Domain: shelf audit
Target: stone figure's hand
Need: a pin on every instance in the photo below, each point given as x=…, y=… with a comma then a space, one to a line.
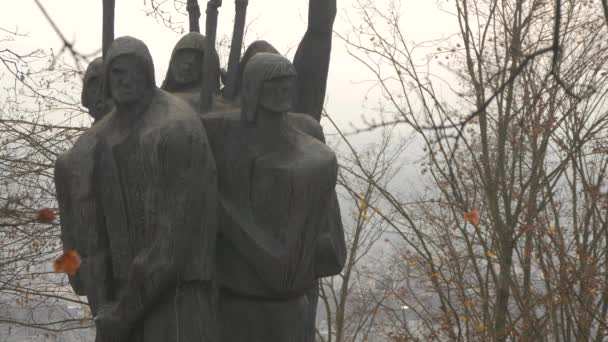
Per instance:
x=111, y=327
x=321, y=15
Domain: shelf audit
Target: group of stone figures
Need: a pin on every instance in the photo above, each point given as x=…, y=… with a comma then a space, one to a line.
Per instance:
x=203, y=226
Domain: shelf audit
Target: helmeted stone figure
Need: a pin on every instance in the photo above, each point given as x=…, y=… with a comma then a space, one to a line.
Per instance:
x=311, y=60
x=304, y=122
x=93, y=96
x=185, y=73
x=280, y=221
x=73, y=183
x=254, y=48
x=155, y=181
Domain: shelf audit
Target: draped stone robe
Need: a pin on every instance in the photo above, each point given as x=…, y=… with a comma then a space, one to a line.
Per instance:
x=280, y=228
x=158, y=196
x=78, y=209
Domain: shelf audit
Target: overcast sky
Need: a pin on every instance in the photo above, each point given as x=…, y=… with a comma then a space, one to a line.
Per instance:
x=280, y=22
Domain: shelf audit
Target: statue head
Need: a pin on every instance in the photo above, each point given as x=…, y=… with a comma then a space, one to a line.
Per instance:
x=93, y=96
x=259, y=46
x=129, y=71
x=186, y=64
x=268, y=83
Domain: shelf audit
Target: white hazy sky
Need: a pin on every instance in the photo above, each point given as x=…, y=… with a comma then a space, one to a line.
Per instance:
x=281, y=22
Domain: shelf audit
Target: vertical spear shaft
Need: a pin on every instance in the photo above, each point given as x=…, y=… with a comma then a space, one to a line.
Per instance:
x=211, y=32
x=194, y=14
x=108, y=25
x=235, y=48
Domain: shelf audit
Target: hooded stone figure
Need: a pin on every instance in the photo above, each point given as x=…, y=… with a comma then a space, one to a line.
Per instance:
x=280, y=221
x=311, y=60
x=304, y=122
x=155, y=182
x=254, y=48
x=93, y=96
x=185, y=73
x=73, y=184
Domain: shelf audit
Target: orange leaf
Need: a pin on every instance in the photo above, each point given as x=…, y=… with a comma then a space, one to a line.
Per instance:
x=46, y=215
x=68, y=263
x=472, y=217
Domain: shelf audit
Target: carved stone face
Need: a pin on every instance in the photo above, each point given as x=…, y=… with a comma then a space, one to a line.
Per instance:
x=187, y=66
x=93, y=92
x=277, y=94
x=95, y=97
x=128, y=80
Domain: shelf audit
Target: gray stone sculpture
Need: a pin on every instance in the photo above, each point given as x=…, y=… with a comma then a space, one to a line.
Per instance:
x=73, y=172
x=93, y=95
x=155, y=181
x=280, y=221
x=160, y=230
x=185, y=73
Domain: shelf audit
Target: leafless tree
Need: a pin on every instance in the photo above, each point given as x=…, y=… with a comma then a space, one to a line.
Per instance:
x=40, y=116
x=350, y=302
x=507, y=240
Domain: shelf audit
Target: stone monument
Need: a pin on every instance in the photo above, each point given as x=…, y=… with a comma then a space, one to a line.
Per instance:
x=205, y=226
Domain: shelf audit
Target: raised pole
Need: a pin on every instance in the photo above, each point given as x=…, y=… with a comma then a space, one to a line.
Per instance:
x=108, y=25
x=235, y=48
x=208, y=65
x=194, y=14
